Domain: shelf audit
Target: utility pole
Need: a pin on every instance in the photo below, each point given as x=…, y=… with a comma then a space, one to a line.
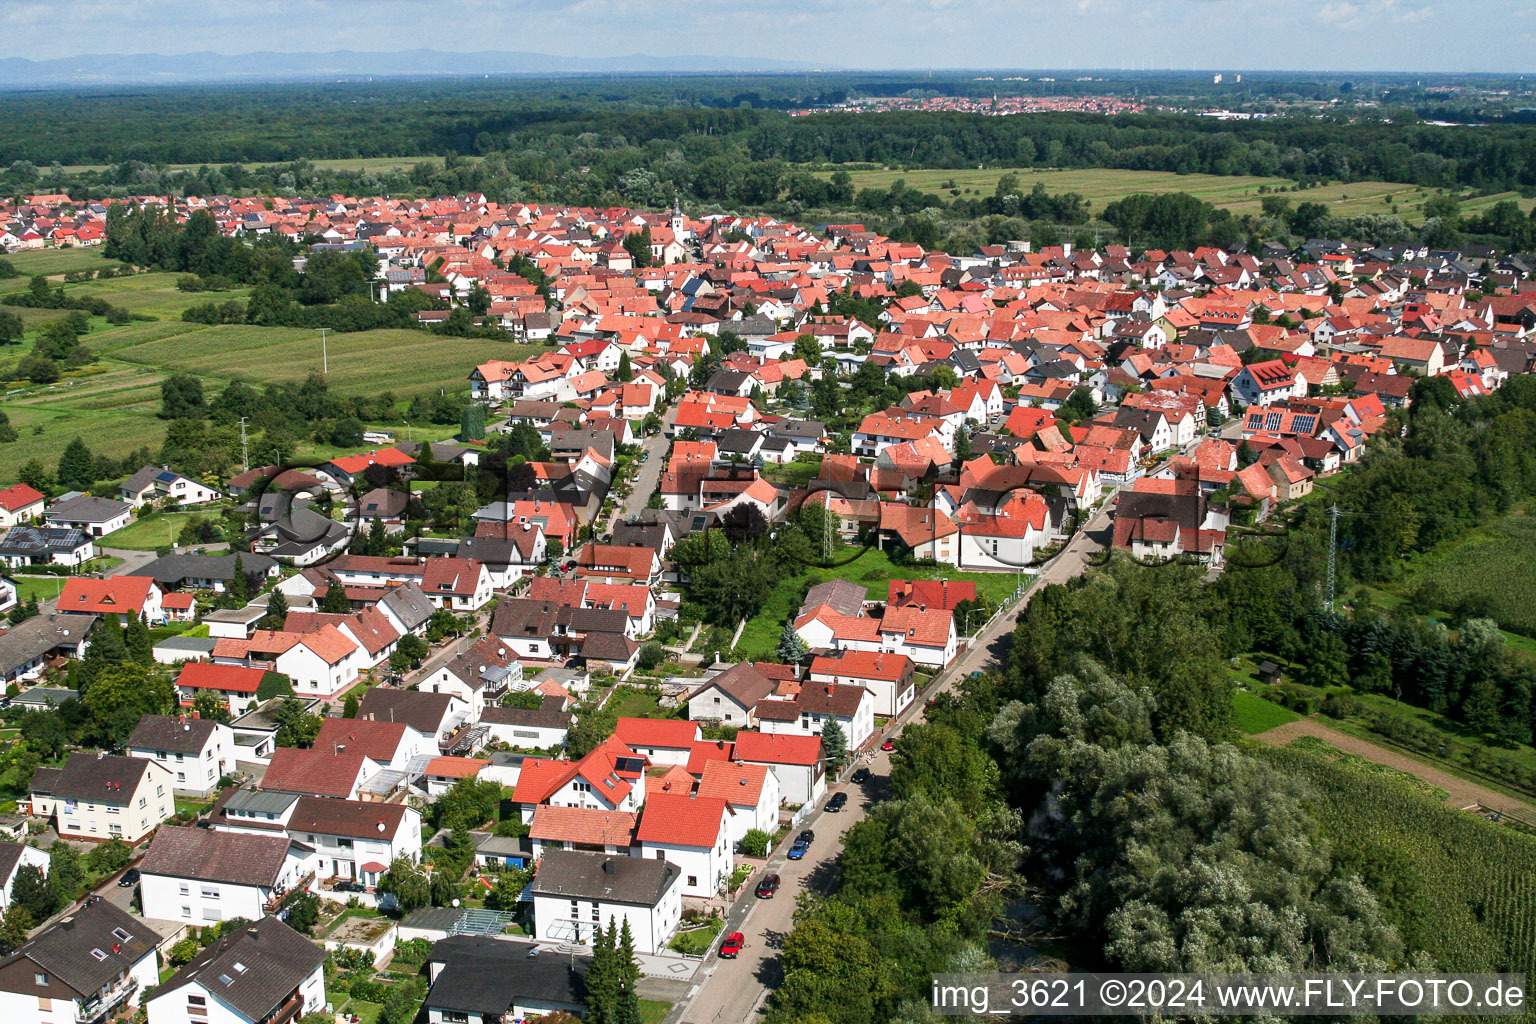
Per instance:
x=325, y=359
x=1333, y=547
x=245, y=448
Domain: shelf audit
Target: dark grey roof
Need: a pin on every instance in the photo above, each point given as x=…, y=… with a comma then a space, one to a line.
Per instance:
x=742, y=683
x=600, y=876
x=175, y=569
x=10, y=853
x=254, y=970
x=533, y=718
x=410, y=604
x=67, y=950
x=485, y=975
x=423, y=712
x=140, y=481
x=40, y=634
x=102, y=778
x=611, y=647
x=211, y=855
x=843, y=597
x=179, y=735
x=37, y=541
x=87, y=510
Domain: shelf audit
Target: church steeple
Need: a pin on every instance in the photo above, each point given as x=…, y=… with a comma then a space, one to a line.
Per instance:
x=679, y=223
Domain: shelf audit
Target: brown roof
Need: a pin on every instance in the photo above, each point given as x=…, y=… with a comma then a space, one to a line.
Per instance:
x=375, y=739
x=211, y=855
x=742, y=683
x=319, y=772
x=352, y=818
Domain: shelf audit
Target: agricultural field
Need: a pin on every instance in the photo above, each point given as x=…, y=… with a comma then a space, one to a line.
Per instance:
x=1492, y=569
x=1238, y=193
x=114, y=404
x=55, y=261
x=1459, y=887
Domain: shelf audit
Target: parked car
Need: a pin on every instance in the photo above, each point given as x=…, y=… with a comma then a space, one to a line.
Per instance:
x=888, y=745
x=731, y=945
x=130, y=878
x=835, y=804
x=767, y=887
x=345, y=886
x=799, y=850
x=861, y=775
x=807, y=836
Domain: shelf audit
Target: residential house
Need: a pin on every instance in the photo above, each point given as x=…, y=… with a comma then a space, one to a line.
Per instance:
x=815, y=706
x=83, y=969
x=690, y=832
x=14, y=857
x=541, y=728
x=889, y=678
x=730, y=697
x=124, y=597
x=659, y=740
x=95, y=517
x=265, y=973
x=236, y=685
x=52, y=637
x=574, y=892
x=154, y=484
x=102, y=796
x=20, y=504
x=477, y=978
x=751, y=791
x=351, y=839
x=203, y=875
x=198, y=752
x=795, y=759
x=45, y=545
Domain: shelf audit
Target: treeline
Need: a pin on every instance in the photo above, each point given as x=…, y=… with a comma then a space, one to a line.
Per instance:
x=539, y=134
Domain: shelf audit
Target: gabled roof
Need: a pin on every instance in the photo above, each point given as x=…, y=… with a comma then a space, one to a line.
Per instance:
x=379, y=740
x=214, y=855
x=182, y=735
x=778, y=748
x=317, y=772
x=736, y=784
x=583, y=825
x=253, y=969
x=673, y=819
x=206, y=675
x=67, y=950
x=657, y=732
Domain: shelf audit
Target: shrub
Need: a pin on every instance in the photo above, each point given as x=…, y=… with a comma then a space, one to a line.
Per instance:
x=755, y=843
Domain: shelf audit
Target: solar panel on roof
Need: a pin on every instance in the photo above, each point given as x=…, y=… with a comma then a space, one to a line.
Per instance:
x=629, y=764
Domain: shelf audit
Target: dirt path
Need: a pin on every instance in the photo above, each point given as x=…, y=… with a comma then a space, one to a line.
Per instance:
x=1460, y=793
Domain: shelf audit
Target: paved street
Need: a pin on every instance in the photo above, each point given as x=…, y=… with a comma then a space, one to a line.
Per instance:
x=735, y=990
x=649, y=473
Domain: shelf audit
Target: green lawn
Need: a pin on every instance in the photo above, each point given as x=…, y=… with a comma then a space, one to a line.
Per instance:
x=633, y=702
x=873, y=570
x=368, y=1013
x=149, y=534
x=1253, y=714
x=698, y=940
x=44, y=588
x=652, y=1011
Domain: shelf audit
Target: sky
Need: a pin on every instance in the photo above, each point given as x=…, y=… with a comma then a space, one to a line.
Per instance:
x=1357, y=35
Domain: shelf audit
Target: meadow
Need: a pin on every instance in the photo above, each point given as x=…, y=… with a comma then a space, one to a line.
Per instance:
x=1238, y=193
x=114, y=404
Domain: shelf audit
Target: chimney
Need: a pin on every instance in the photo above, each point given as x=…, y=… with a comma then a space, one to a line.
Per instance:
x=610, y=866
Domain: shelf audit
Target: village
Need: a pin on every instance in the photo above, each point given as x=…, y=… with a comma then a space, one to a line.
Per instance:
x=763, y=492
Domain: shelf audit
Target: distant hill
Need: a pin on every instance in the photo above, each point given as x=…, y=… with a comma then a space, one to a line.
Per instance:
x=154, y=68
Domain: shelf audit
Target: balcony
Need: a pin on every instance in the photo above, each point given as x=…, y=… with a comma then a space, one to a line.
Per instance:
x=287, y=1010
x=106, y=1002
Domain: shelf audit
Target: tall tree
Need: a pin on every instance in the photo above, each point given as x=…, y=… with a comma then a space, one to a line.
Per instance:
x=77, y=470
x=240, y=586
x=625, y=372
x=137, y=640
x=277, y=611
x=626, y=968
x=335, y=601
x=181, y=397
x=791, y=648
x=834, y=743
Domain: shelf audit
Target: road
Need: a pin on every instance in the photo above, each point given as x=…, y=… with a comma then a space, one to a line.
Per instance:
x=649, y=473
x=736, y=990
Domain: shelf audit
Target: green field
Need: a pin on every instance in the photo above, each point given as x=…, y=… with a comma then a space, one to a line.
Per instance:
x=1493, y=565
x=1252, y=714
x=113, y=405
x=873, y=570
x=1238, y=193
x=367, y=362
x=56, y=261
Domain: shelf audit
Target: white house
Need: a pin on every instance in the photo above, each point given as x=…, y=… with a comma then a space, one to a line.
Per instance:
x=103, y=796
x=198, y=752
x=20, y=503
x=574, y=892
x=203, y=875
x=351, y=839
x=263, y=972
x=154, y=484
x=751, y=791
x=794, y=759
x=662, y=740
x=731, y=696
x=538, y=728
x=851, y=707
x=690, y=832
x=95, y=517
x=84, y=968
x=890, y=678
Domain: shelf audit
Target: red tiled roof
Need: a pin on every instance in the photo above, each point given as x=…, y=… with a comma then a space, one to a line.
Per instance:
x=114, y=595
x=456, y=767
x=777, y=748
x=583, y=825
x=734, y=783
x=378, y=740
x=677, y=820
x=19, y=496
x=205, y=675
x=657, y=732
x=317, y=772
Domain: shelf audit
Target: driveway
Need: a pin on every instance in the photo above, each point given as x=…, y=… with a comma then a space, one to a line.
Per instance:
x=649, y=474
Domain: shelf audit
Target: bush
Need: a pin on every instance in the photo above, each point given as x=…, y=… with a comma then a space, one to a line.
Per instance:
x=755, y=843
x=697, y=941
x=111, y=856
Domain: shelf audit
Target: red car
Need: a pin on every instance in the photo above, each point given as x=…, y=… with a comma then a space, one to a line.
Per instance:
x=731, y=946
x=888, y=745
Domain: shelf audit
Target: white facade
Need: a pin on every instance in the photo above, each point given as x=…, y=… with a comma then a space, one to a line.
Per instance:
x=857, y=727
x=198, y=903
x=29, y=856
x=199, y=773
x=197, y=1003
x=562, y=919
x=705, y=869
